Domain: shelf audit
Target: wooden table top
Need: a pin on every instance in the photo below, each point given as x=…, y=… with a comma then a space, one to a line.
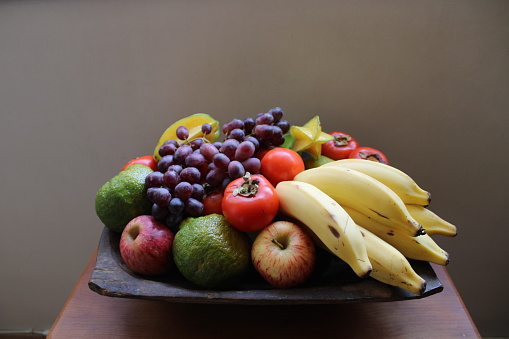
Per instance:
x=87, y=314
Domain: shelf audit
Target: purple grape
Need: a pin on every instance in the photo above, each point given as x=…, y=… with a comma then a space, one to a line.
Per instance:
x=249, y=124
x=284, y=125
x=221, y=161
x=255, y=141
x=176, y=168
x=206, y=129
x=183, y=190
x=245, y=151
x=159, y=212
x=276, y=132
x=165, y=162
x=229, y=147
x=174, y=220
x=161, y=196
x=263, y=131
x=190, y=174
x=236, y=170
x=215, y=177
x=182, y=133
x=212, y=166
x=193, y=207
x=196, y=144
x=195, y=160
x=277, y=141
x=208, y=151
x=171, y=179
x=218, y=144
x=236, y=123
x=264, y=119
x=150, y=193
x=277, y=113
x=225, y=128
x=226, y=182
x=154, y=179
x=167, y=149
x=198, y=192
x=237, y=134
x=277, y=138
x=182, y=153
x=172, y=142
x=252, y=165
x=176, y=206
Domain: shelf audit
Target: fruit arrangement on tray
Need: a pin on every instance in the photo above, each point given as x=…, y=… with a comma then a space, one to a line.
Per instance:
x=213, y=202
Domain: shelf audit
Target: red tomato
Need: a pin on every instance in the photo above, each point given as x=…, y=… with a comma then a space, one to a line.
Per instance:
x=250, y=204
x=146, y=160
x=369, y=153
x=212, y=203
x=339, y=148
x=281, y=164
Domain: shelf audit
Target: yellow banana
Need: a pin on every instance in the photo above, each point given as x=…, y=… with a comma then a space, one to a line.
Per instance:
x=418, y=248
x=432, y=223
x=400, y=182
x=327, y=221
x=390, y=266
x=361, y=192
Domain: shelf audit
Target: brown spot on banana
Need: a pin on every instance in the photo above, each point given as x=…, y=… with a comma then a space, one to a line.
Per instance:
x=383, y=216
x=334, y=231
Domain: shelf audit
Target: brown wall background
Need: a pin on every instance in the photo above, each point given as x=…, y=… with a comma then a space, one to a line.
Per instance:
x=87, y=85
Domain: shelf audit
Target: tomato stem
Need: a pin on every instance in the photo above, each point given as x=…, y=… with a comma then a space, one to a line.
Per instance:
x=248, y=188
x=372, y=157
x=342, y=140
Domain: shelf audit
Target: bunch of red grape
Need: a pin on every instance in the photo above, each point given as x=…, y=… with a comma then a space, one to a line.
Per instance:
x=190, y=169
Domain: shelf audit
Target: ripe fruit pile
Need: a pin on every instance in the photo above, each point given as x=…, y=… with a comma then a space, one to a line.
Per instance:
x=189, y=169
x=289, y=188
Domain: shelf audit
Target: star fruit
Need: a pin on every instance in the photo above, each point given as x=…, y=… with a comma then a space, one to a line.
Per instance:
x=309, y=138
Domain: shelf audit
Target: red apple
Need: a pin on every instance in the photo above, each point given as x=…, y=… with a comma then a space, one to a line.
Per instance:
x=146, y=246
x=284, y=255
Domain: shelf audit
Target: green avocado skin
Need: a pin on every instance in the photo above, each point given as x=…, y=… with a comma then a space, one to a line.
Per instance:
x=211, y=253
x=123, y=198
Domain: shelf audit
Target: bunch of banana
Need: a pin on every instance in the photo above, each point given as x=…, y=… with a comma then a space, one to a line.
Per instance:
x=341, y=199
x=415, y=198
x=398, y=181
x=422, y=247
x=364, y=193
x=328, y=223
x=390, y=266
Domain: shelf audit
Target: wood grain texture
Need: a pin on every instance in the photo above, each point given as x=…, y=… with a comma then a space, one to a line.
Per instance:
x=87, y=314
